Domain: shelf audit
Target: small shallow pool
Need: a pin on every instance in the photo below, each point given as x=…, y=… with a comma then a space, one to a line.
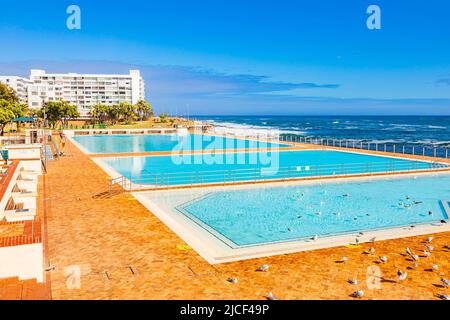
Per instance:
x=262, y=215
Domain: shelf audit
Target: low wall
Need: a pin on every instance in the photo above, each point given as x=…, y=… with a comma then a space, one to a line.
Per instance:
x=24, y=152
x=25, y=262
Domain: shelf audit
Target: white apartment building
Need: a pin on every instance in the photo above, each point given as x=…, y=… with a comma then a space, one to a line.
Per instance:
x=83, y=90
x=19, y=84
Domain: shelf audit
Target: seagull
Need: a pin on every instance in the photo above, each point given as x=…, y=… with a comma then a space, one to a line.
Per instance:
x=415, y=257
x=429, y=247
x=270, y=296
x=383, y=259
x=445, y=282
x=408, y=251
x=435, y=267
x=413, y=266
x=357, y=294
x=373, y=239
x=344, y=259
x=353, y=282
x=401, y=276
x=315, y=238
x=264, y=268
x=232, y=280
x=346, y=195
x=443, y=297
x=430, y=213
x=372, y=250
x=290, y=230
x=418, y=202
x=357, y=241
x=426, y=253
x=429, y=239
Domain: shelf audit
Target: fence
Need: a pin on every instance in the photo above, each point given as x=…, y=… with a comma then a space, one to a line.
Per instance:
x=149, y=180
x=403, y=148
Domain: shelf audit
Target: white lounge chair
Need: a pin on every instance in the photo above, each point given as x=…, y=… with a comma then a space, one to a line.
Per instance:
x=20, y=209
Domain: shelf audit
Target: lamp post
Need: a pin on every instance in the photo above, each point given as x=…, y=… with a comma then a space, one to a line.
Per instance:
x=45, y=134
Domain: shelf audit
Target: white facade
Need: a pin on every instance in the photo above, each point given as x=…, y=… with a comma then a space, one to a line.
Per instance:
x=20, y=85
x=83, y=90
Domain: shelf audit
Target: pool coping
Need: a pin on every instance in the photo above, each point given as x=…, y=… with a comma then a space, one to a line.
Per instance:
x=214, y=251
x=288, y=146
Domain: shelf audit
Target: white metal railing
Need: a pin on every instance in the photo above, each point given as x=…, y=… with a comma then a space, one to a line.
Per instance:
x=402, y=148
x=191, y=178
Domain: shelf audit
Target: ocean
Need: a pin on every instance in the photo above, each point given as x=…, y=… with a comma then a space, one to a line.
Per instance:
x=417, y=130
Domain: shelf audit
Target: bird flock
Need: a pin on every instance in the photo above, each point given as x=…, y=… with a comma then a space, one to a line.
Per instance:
x=401, y=275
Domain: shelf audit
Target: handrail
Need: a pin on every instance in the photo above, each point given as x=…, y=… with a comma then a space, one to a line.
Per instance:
x=363, y=144
x=264, y=173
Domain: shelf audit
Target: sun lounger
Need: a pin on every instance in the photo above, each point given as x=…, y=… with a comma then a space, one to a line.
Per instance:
x=20, y=209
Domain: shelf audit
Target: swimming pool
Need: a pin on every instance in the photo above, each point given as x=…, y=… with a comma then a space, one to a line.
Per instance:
x=233, y=223
x=190, y=169
x=135, y=143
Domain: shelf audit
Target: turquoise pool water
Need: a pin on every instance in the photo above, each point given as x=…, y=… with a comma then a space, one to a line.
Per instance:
x=194, y=169
x=272, y=214
x=128, y=143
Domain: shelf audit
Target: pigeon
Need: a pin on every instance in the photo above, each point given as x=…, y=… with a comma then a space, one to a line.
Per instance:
x=383, y=259
x=232, y=280
x=408, y=251
x=445, y=282
x=270, y=296
x=357, y=294
x=264, y=268
x=402, y=275
x=353, y=282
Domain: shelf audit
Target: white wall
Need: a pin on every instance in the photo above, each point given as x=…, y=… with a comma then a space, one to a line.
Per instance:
x=25, y=262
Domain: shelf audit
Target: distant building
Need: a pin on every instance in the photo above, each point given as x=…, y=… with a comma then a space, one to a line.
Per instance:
x=20, y=85
x=82, y=90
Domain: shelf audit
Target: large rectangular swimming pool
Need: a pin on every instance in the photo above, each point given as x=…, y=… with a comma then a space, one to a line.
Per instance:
x=261, y=215
x=238, y=167
x=135, y=143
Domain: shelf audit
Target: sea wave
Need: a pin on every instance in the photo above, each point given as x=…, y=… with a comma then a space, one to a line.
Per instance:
x=251, y=130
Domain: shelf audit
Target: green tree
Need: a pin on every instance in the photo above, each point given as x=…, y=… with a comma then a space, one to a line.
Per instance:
x=68, y=111
x=143, y=110
x=100, y=112
x=58, y=111
x=7, y=93
x=163, y=117
x=126, y=111
x=9, y=111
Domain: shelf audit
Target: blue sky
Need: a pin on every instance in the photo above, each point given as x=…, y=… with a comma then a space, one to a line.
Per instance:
x=247, y=57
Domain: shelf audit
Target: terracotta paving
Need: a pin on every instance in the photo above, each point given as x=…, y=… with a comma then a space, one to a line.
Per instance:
x=112, y=248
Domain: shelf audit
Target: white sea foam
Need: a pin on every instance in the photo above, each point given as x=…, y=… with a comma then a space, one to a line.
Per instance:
x=250, y=130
